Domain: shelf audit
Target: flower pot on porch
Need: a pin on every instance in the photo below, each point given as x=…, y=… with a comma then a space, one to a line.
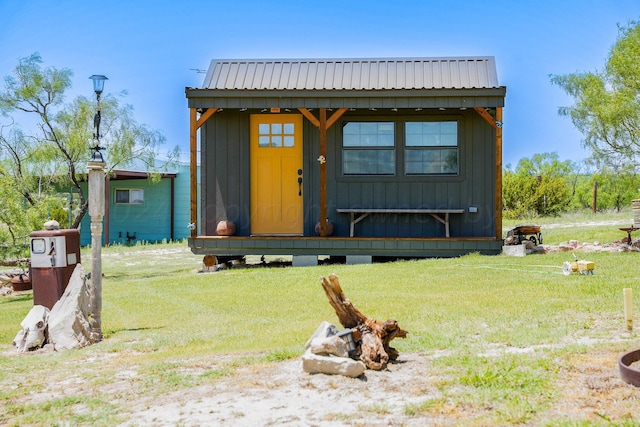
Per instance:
x=328, y=228
x=226, y=228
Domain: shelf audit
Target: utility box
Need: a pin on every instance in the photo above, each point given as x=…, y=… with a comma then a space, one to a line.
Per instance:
x=54, y=256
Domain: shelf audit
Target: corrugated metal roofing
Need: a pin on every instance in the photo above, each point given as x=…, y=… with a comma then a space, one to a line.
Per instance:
x=352, y=74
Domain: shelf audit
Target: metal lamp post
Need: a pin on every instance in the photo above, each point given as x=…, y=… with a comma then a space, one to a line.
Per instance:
x=96, y=171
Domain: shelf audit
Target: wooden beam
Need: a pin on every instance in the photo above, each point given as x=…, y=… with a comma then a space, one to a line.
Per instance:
x=310, y=117
x=205, y=116
x=323, y=172
x=335, y=116
x=193, y=147
x=488, y=118
x=499, y=174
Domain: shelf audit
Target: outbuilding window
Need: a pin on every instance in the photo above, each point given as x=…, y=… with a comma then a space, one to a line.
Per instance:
x=368, y=148
x=431, y=148
x=129, y=196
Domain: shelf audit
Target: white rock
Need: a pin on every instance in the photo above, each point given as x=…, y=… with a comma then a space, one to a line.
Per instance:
x=333, y=345
x=69, y=318
x=332, y=365
x=52, y=225
x=325, y=329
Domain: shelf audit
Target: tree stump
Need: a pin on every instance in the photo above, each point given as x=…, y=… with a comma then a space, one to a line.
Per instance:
x=371, y=337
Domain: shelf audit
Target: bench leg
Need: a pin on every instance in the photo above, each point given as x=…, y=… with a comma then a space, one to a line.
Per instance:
x=352, y=226
x=444, y=221
x=354, y=221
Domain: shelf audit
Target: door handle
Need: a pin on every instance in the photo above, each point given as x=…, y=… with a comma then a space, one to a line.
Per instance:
x=300, y=186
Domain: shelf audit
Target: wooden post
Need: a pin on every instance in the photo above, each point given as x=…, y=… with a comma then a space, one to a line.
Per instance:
x=499, y=174
x=594, y=204
x=323, y=124
x=195, y=123
x=323, y=172
x=193, y=170
x=628, y=308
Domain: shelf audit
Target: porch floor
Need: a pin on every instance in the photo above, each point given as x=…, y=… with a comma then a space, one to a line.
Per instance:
x=343, y=246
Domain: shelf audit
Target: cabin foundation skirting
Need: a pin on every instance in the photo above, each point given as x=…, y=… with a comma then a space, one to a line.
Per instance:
x=343, y=246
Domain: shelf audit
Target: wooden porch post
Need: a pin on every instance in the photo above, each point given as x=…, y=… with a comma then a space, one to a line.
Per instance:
x=323, y=172
x=195, y=123
x=323, y=124
x=193, y=170
x=499, y=173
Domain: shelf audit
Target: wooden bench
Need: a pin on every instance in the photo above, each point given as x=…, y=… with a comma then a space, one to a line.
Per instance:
x=358, y=215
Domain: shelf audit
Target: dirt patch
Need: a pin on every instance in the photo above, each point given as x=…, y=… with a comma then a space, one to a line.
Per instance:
x=281, y=394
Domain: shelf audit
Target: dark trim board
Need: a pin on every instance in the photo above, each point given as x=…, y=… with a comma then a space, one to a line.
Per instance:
x=342, y=246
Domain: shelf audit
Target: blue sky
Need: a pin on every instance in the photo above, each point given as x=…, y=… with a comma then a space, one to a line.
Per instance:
x=152, y=50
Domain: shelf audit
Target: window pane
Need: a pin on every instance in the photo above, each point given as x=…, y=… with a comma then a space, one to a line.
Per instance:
x=369, y=162
x=122, y=196
x=288, y=141
x=276, y=141
x=431, y=134
x=351, y=129
x=137, y=196
x=413, y=128
x=368, y=134
x=263, y=129
x=276, y=128
x=350, y=140
x=431, y=161
x=288, y=128
x=449, y=127
x=263, y=141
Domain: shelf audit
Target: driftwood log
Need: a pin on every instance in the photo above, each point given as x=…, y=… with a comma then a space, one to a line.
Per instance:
x=370, y=336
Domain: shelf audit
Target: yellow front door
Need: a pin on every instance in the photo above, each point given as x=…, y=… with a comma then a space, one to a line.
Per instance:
x=276, y=174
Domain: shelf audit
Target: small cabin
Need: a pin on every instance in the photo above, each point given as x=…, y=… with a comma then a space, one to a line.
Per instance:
x=355, y=158
x=138, y=210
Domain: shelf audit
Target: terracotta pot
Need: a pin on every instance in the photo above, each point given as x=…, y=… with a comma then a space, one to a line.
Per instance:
x=21, y=283
x=226, y=228
x=328, y=228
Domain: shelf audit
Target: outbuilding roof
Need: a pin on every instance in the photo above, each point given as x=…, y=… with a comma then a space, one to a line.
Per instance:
x=352, y=74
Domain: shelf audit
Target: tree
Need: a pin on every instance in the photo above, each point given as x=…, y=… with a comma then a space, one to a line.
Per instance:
x=35, y=165
x=538, y=186
x=607, y=103
x=615, y=187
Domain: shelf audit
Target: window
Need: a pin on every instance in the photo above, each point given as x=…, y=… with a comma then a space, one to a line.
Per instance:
x=275, y=135
x=431, y=148
x=368, y=148
x=130, y=196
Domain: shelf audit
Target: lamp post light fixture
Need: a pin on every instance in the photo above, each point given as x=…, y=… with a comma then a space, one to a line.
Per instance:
x=98, y=87
x=96, y=171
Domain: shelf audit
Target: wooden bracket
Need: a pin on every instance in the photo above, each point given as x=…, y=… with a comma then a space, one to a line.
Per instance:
x=330, y=121
x=205, y=116
x=488, y=117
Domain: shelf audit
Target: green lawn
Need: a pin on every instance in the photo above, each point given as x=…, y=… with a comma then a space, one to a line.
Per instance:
x=159, y=313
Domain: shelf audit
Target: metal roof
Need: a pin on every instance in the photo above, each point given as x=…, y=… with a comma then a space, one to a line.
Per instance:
x=352, y=74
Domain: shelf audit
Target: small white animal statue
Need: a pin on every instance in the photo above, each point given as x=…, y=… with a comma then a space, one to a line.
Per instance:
x=33, y=330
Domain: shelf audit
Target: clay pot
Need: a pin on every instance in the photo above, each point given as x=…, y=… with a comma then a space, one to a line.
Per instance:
x=226, y=228
x=328, y=228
